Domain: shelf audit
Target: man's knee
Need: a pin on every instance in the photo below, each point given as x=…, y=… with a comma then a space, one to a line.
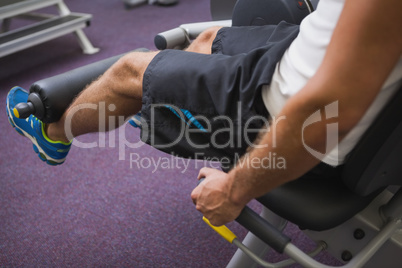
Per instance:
x=203, y=42
x=129, y=70
x=136, y=62
x=209, y=34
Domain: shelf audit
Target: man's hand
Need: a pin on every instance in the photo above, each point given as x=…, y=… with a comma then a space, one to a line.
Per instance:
x=212, y=197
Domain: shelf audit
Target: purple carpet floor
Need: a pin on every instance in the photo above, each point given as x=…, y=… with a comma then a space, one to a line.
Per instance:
x=104, y=207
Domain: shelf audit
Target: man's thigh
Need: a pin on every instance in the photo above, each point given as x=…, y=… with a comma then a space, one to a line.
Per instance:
x=197, y=103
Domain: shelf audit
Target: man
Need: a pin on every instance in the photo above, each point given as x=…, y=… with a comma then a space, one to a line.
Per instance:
x=347, y=56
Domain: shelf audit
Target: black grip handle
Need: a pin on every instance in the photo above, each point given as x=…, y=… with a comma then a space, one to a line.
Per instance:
x=160, y=42
x=24, y=109
x=261, y=228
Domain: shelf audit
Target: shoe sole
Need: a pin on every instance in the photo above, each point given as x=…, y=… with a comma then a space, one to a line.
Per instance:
x=39, y=151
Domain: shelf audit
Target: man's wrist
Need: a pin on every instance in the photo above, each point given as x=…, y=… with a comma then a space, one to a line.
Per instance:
x=238, y=193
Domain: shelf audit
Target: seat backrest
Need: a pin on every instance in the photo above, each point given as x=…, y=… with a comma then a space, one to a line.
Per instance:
x=222, y=9
x=264, y=12
x=261, y=12
x=376, y=161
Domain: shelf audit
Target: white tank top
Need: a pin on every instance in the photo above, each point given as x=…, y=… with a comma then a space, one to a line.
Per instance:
x=301, y=61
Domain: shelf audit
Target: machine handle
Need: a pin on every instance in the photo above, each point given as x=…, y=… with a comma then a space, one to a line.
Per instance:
x=179, y=38
x=34, y=106
x=263, y=229
x=171, y=39
x=256, y=225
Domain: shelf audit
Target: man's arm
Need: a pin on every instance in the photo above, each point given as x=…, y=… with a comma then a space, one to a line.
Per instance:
x=366, y=44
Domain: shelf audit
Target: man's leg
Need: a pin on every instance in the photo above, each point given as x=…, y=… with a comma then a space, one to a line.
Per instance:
x=118, y=92
x=120, y=89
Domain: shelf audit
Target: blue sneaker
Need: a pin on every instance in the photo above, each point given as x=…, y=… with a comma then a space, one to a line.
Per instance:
x=135, y=121
x=52, y=152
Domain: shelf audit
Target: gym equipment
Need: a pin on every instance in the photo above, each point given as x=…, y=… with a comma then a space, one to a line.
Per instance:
x=249, y=12
x=356, y=217
x=48, y=26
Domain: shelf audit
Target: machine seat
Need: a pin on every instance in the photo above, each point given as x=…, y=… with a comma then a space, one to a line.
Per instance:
x=315, y=204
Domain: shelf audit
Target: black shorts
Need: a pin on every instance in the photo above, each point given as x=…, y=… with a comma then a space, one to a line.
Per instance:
x=203, y=106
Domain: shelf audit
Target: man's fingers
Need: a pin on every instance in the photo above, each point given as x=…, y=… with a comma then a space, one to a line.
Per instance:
x=194, y=194
x=204, y=172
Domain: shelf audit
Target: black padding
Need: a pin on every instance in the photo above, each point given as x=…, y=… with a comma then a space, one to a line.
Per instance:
x=222, y=9
x=265, y=12
x=376, y=160
x=314, y=203
x=57, y=92
x=263, y=229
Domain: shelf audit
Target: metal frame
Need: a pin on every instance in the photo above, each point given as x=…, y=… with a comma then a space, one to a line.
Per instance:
x=253, y=244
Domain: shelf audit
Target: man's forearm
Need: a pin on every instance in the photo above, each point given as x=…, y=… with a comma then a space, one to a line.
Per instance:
x=252, y=178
